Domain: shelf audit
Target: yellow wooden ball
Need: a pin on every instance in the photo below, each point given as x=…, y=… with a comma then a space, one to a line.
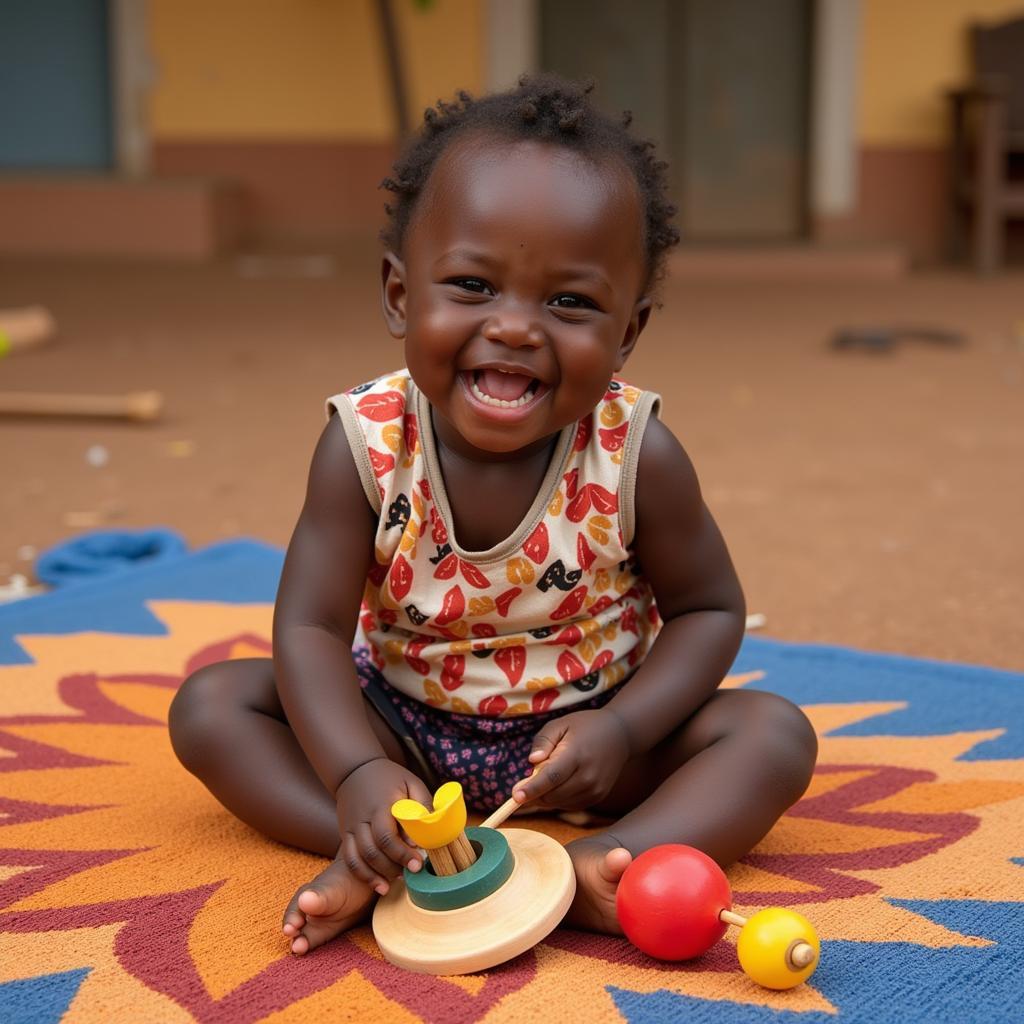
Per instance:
x=766, y=944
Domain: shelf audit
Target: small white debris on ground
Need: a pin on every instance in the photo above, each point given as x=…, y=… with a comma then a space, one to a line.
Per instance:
x=97, y=455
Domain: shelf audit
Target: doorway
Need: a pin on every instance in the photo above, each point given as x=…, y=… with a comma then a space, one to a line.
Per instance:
x=723, y=86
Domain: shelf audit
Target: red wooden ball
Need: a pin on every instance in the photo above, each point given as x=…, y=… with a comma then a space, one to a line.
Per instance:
x=669, y=899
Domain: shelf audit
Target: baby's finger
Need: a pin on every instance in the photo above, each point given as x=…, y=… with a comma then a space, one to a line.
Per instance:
x=360, y=869
x=551, y=774
x=373, y=856
x=545, y=742
x=418, y=791
x=390, y=841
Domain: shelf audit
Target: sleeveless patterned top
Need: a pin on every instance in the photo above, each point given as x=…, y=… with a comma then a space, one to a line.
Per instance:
x=545, y=619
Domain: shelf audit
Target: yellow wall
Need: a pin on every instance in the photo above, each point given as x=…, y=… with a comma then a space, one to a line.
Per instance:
x=310, y=69
x=911, y=51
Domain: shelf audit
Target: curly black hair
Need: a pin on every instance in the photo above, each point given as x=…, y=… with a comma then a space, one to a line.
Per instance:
x=543, y=107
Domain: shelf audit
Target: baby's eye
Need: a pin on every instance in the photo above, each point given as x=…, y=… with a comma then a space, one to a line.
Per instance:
x=471, y=284
x=570, y=300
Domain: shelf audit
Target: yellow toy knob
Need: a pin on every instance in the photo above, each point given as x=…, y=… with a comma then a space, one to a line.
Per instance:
x=778, y=948
x=436, y=828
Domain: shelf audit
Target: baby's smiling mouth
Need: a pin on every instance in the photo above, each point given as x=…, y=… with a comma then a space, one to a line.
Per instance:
x=503, y=389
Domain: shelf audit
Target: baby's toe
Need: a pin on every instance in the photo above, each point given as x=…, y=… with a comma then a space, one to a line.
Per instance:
x=329, y=904
x=614, y=864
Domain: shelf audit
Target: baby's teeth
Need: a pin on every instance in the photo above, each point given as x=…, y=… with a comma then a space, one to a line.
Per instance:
x=500, y=402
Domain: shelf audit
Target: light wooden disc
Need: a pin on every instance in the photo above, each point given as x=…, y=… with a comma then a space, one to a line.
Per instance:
x=508, y=922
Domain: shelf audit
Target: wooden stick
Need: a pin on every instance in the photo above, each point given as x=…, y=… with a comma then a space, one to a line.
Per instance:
x=441, y=860
x=509, y=807
x=730, y=918
x=799, y=955
x=136, y=405
x=22, y=329
x=453, y=857
x=462, y=852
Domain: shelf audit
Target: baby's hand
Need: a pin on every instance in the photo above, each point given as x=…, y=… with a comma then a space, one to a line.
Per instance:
x=372, y=847
x=582, y=754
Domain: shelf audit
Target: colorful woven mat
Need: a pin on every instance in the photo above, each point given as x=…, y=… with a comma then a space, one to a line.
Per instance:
x=128, y=894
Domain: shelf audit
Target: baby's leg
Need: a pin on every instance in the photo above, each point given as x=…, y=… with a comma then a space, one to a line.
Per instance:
x=228, y=728
x=719, y=783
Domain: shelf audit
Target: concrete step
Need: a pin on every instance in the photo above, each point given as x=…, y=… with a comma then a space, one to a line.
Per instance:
x=99, y=215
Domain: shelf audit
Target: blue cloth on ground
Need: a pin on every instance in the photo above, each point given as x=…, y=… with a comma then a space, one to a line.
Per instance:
x=107, y=553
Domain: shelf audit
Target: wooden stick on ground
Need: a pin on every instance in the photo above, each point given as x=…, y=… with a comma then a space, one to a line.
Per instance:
x=141, y=406
x=22, y=329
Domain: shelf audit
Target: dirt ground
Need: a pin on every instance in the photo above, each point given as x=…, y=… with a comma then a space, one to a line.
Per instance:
x=872, y=500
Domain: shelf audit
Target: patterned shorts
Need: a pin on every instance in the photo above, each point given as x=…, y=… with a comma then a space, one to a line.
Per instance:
x=487, y=755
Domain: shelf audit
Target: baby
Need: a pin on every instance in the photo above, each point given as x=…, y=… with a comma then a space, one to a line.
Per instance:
x=503, y=565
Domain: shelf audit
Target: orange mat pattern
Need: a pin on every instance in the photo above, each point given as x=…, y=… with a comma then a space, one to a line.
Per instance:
x=128, y=894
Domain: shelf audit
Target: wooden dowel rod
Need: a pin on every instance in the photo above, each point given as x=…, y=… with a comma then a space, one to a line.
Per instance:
x=509, y=807
x=799, y=955
x=136, y=405
x=22, y=329
x=441, y=861
x=730, y=918
x=462, y=852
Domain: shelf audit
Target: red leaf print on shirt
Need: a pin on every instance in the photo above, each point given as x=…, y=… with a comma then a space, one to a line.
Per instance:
x=446, y=567
x=438, y=530
x=543, y=699
x=627, y=621
x=474, y=577
x=584, y=553
x=570, y=636
x=583, y=432
x=600, y=604
x=382, y=462
x=604, y=658
x=425, y=488
x=483, y=629
x=504, y=601
x=571, y=605
x=452, y=607
x=382, y=407
x=612, y=440
x=492, y=706
x=536, y=545
x=411, y=432
x=591, y=494
x=451, y=674
x=511, y=661
x=572, y=480
x=400, y=577
x=570, y=667
x=412, y=656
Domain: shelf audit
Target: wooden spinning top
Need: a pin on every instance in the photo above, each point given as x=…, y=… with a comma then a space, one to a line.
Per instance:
x=484, y=896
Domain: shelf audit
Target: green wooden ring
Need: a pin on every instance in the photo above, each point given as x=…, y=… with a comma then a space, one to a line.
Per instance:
x=490, y=871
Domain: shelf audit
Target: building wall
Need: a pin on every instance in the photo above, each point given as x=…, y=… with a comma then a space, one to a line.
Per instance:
x=911, y=52
x=291, y=98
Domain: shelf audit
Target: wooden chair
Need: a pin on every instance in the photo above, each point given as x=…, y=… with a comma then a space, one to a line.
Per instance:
x=987, y=140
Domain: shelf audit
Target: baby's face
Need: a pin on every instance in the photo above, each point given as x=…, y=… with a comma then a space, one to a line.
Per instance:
x=519, y=292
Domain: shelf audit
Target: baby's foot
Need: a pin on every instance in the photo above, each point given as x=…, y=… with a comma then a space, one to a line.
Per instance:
x=333, y=902
x=598, y=870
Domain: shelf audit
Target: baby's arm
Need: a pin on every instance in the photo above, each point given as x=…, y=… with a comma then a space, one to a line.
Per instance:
x=315, y=617
x=683, y=556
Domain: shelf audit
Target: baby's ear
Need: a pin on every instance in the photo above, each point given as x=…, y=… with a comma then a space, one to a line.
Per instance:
x=393, y=294
x=637, y=322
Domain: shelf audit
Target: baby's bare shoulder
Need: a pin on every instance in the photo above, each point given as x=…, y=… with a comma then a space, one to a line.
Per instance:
x=665, y=475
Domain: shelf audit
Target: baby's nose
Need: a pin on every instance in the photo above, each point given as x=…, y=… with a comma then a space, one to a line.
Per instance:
x=516, y=328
